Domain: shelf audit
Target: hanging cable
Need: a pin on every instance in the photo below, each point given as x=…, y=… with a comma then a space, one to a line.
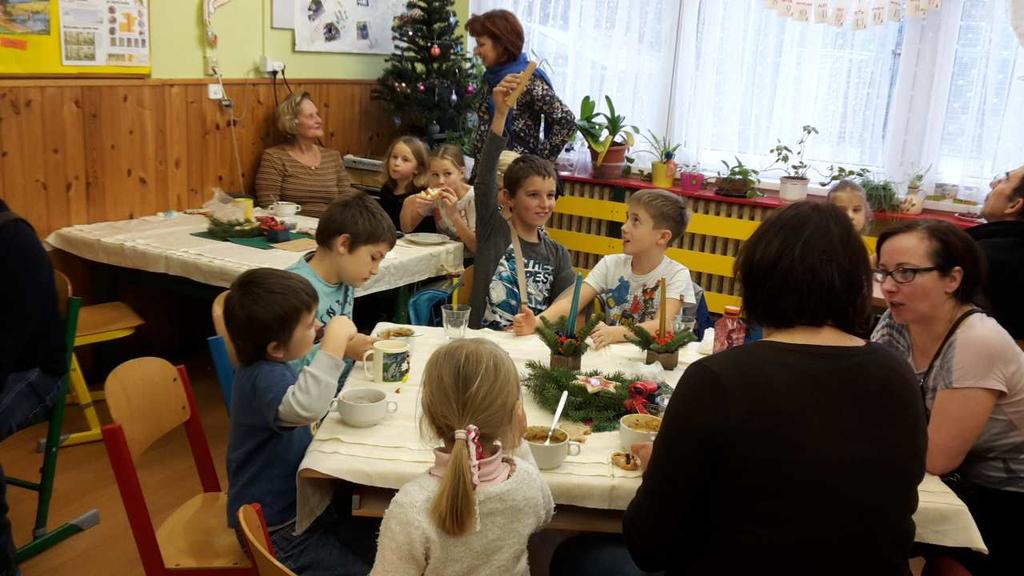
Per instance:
x=285, y=78
x=227, y=103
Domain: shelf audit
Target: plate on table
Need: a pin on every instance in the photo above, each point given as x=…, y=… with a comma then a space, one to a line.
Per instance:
x=969, y=217
x=426, y=238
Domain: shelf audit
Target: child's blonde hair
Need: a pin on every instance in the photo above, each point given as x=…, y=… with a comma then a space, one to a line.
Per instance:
x=850, y=187
x=419, y=151
x=451, y=153
x=507, y=157
x=471, y=381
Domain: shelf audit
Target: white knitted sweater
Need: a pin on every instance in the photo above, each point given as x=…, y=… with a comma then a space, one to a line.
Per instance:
x=509, y=512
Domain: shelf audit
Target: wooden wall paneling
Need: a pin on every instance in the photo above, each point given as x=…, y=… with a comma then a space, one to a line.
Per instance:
x=10, y=150
x=58, y=181
x=195, y=157
x=25, y=173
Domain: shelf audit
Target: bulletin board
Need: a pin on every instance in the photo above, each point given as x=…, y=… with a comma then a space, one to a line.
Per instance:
x=73, y=37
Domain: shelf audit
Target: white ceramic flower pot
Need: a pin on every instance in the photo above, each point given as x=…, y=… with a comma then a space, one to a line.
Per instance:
x=793, y=189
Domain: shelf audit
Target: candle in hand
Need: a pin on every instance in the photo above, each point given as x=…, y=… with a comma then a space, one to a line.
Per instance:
x=570, y=323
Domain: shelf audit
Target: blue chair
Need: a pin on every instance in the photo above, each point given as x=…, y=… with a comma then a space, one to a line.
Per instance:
x=222, y=366
x=425, y=307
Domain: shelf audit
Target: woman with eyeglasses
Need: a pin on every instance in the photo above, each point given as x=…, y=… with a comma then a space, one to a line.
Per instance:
x=971, y=375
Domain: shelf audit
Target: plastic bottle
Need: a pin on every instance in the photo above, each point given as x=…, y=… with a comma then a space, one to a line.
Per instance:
x=730, y=330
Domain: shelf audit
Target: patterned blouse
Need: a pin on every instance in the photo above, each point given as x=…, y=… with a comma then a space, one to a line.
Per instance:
x=538, y=107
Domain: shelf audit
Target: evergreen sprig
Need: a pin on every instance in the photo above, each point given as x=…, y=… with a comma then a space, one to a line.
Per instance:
x=601, y=410
x=660, y=344
x=559, y=342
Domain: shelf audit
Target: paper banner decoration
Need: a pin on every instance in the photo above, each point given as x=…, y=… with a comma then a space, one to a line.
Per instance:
x=861, y=14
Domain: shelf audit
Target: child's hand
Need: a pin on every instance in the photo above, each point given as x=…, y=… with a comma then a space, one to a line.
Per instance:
x=337, y=334
x=422, y=204
x=448, y=201
x=502, y=91
x=642, y=451
x=604, y=335
x=358, y=346
x=524, y=323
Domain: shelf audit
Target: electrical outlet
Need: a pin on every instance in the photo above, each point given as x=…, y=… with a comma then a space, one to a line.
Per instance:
x=211, y=65
x=269, y=66
x=214, y=91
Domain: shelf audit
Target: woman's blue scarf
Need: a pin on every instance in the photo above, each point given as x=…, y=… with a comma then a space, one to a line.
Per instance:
x=493, y=77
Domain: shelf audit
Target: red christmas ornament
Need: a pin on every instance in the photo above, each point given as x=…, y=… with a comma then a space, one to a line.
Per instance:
x=421, y=87
x=435, y=51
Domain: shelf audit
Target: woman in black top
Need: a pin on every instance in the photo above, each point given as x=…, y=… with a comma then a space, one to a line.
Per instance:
x=499, y=45
x=797, y=454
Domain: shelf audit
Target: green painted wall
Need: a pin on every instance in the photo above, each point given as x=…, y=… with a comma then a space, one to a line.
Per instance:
x=243, y=27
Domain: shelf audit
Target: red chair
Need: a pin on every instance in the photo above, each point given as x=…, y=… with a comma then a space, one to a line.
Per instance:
x=148, y=397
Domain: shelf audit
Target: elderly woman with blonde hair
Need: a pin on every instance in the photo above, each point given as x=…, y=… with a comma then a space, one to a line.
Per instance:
x=300, y=170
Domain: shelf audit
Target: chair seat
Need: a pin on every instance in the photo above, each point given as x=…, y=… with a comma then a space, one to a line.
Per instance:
x=106, y=317
x=196, y=535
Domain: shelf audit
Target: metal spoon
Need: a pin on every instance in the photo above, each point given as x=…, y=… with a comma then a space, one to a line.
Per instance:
x=558, y=414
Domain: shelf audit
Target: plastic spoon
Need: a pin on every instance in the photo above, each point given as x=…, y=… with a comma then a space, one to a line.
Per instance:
x=558, y=414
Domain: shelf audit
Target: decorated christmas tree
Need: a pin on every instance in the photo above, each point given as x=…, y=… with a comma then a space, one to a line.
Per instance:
x=429, y=81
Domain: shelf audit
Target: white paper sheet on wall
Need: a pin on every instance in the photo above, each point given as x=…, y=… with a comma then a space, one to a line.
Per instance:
x=104, y=32
x=359, y=26
x=283, y=14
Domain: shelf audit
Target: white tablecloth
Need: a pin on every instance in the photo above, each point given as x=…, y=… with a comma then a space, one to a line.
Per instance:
x=167, y=246
x=390, y=454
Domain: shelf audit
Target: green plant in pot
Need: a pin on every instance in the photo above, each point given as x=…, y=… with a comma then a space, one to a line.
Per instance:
x=663, y=168
x=739, y=181
x=881, y=194
x=837, y=173
x=607, y=135
x=793, y=186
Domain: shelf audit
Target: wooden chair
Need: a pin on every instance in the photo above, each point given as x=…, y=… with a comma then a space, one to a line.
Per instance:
x=148, y=397
x=466, y=285
x=222, y=366
x=250, y=518
x=43, y=538
x=96, y=323
x=217, y=312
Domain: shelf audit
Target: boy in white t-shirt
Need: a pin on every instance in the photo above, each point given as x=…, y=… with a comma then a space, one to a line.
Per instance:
x=626, y=284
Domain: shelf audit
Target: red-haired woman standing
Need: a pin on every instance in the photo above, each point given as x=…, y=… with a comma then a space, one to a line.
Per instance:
x=499, y=45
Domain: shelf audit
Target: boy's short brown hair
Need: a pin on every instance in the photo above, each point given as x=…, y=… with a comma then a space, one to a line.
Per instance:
x=359, y=216
x=667, y=210
x=523, y=168
x=265, y=305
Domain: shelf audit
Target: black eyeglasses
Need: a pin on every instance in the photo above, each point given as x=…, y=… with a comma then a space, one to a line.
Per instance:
x=902, y=275
x=999, y=179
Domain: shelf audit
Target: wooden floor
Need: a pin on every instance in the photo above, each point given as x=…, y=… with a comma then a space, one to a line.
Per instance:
x=85, y=482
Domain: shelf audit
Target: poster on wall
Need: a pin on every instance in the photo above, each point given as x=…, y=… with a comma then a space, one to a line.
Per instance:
x=19, y=17
x=104, y=33
x=360, y=26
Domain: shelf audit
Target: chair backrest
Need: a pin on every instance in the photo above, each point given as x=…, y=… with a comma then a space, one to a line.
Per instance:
x=217, y=311
x=466, y=285
x=250, y=518
x=63, y=291
x=146, y=398
x=222, y=366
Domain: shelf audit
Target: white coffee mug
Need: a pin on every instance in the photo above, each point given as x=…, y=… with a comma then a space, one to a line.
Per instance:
x=550, y=456
x=282, y=209
x=363, y=407
x=390, y=361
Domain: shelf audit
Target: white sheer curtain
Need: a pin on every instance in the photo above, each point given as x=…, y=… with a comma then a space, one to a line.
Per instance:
x=728, y=77
x=620, y=48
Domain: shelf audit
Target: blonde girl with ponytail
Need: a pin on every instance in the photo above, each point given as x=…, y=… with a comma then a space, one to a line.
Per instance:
x=474, y=510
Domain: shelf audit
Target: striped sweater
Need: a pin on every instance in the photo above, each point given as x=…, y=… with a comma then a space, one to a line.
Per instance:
x=282, y=177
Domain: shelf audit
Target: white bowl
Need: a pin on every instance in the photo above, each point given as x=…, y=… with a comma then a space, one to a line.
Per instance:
x=629, y=435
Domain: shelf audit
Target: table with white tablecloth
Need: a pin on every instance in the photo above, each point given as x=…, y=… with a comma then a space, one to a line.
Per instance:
x=393, y=452
x=166, y=245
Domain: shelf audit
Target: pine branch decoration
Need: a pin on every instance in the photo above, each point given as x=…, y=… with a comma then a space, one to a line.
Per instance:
x=660, y=344
x=601, y=411
x=555, y=338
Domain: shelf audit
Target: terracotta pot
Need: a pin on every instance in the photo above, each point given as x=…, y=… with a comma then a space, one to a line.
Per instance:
x=565, y=362
x=793, y=189
x=669, y=360
x=731, y=187
x=612, y=165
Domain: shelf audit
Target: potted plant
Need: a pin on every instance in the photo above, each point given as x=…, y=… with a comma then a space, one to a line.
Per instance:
x=881, y=194
x=663, y=169
x=607, y=135
x=690, y=178
x=793, y=186
x=837, y=173
x=566, y=349
x=660, y=347
x=739, y=181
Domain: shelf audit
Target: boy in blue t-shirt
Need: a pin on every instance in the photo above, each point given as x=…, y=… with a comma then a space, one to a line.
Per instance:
x=270, y=316
x=353, y=236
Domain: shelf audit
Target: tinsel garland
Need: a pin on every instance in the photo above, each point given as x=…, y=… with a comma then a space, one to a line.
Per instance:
x=601, y=410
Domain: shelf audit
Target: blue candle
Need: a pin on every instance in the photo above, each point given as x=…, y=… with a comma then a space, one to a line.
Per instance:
x=570, y=324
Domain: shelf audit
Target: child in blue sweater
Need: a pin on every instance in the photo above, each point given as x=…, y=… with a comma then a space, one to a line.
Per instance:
x=271, y=318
